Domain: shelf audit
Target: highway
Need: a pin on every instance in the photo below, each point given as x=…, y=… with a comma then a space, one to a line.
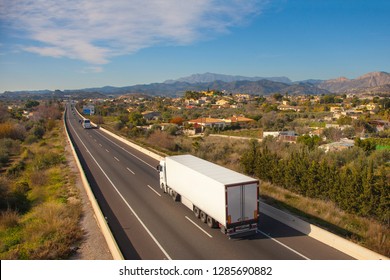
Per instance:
x=148, y=225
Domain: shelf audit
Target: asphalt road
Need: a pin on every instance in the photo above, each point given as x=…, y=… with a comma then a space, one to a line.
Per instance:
x=147, y=224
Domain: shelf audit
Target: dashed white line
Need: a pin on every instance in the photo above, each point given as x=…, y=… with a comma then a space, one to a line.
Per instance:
x=154, y=190
x=107, y=151
x=205, y=232
x=116, y=159
x=130, y=170
x=284, y=245
x=100, y=145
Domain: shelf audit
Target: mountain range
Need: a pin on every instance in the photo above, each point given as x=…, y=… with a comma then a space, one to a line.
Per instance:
x=371, y=83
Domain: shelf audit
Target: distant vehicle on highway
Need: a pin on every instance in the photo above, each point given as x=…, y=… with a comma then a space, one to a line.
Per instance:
x=86, y=123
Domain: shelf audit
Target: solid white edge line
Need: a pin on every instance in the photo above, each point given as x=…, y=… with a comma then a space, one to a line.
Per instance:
x=205, y=232
x=124, y=200
x=154, y=190
x=284, y=245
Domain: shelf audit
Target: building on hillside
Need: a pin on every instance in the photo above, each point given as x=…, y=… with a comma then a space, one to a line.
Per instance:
x=290, y=108
x=204, y=123
x=239, y=120
x=151, y=115
x=338, y=146
x=284, y=136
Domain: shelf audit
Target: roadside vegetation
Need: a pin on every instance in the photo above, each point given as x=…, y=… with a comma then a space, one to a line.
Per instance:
x=39, y=205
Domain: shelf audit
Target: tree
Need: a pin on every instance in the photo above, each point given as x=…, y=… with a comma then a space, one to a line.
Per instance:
x=136, y=119
x=278, y=96
x=309, y=141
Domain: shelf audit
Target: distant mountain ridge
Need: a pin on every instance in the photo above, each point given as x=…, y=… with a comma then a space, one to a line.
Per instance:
x=211, y=77
x=370, y=83
x=342, y=84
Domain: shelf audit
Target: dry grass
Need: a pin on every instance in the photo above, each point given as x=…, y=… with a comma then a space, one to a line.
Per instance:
x=8, y=219
x=50, y=229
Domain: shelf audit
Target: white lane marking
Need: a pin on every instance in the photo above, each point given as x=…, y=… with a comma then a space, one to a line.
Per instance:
x=154, y=190
x=100, y=145
x=124, y=200
x=205, y=232
x=130, y=170
x=284, y=245
x=126, y=151
x=116, y=158
x=107, y=151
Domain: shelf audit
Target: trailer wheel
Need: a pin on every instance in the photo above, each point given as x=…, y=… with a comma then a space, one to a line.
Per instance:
x=175, y=195
x=211, y=222
x=196, y=212
x=203, y=216
x=162, y=187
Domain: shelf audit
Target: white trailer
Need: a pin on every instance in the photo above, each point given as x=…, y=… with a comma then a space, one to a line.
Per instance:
x=218, y=196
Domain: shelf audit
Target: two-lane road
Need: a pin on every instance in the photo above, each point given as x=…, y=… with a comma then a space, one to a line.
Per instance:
x=147, y=224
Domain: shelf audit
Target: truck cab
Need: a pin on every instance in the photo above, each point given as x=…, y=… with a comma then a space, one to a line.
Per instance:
x=163, y=178
x=86, y=123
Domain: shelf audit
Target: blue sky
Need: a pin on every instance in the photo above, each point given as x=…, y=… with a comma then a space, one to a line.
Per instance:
x=70, y=44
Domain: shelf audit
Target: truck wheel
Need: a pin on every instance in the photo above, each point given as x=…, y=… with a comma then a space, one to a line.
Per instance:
x=196, y=212
x=211, y=222
x=175, y=196
x=203, y=216
x=162, y=187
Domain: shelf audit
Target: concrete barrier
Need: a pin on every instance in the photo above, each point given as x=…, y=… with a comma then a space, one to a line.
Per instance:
x=330, y=239
x=111, y=243
x=133, y=145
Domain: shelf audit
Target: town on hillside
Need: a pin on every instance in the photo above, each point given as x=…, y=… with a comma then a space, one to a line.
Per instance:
x=336, y=120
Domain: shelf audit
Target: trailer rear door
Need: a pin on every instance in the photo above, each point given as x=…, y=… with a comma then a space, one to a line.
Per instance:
x=242, y=203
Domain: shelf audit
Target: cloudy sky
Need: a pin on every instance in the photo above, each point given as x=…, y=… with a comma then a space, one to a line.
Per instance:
x=69, y=44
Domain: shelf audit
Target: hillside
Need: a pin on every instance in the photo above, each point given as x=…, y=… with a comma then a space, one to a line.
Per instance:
x=369, y=80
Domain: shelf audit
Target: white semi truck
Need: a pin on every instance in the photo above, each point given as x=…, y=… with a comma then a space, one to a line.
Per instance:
x=218, y=196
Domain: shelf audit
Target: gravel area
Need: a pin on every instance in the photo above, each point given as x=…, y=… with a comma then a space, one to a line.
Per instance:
x=93, y=246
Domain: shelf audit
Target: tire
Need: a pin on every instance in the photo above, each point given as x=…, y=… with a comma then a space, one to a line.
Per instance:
x=196, y=212
x=175, y=195
x=203, y=216
x=211, y=222
x=162, y=187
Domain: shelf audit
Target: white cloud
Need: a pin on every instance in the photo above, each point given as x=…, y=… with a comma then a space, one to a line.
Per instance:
x=96, y=30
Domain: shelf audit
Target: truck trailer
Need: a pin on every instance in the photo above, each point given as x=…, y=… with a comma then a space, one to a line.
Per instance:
x=220, y=197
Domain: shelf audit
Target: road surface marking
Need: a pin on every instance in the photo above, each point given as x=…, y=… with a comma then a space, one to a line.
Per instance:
x=284, y=245
x=100, y=145
x=124, y=200
x=130, y=170
x=107, y=151
x=154, y=190
x=205, y=232
x=126, y=150
x=116, y=158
